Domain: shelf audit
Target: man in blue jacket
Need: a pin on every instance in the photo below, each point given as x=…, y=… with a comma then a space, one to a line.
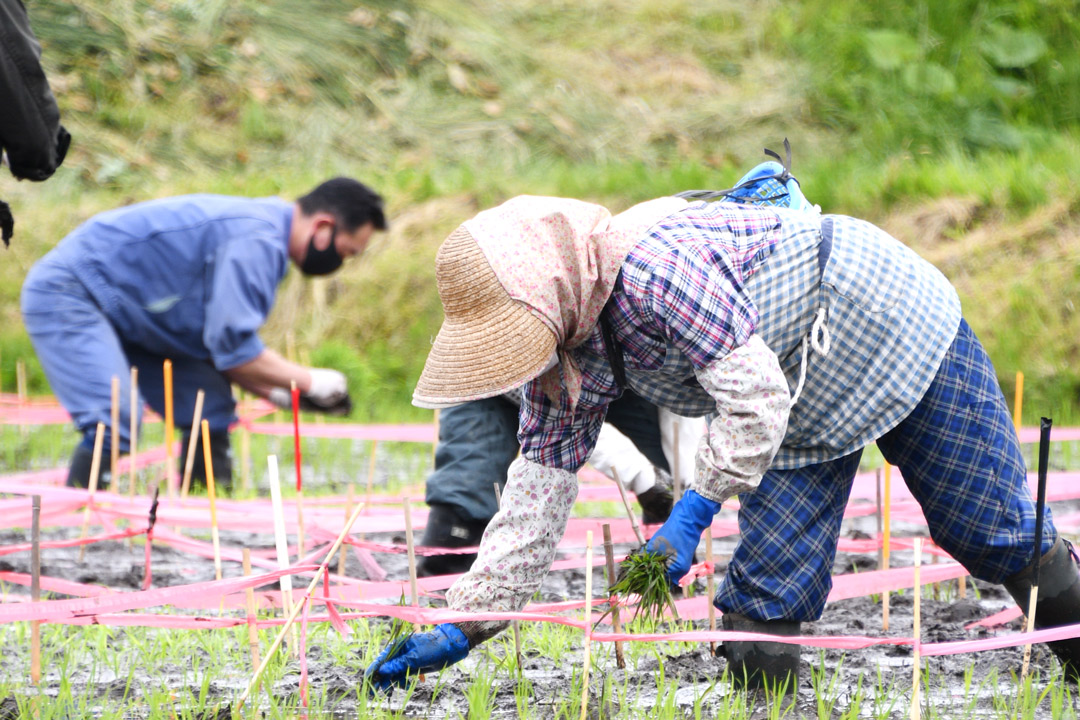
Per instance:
x=191, y=279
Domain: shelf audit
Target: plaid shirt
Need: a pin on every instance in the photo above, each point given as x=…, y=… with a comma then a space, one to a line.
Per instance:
x=708, y=277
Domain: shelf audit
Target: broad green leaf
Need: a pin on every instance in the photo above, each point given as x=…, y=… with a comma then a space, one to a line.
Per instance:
x=1006, y=47
x=889, y=49
x=929, y=79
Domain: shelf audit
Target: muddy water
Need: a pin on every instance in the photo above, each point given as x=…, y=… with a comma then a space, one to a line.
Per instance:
x=884, y=672
x=551, y=678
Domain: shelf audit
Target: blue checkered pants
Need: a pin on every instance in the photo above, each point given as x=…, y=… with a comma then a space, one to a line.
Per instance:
x=959, y=456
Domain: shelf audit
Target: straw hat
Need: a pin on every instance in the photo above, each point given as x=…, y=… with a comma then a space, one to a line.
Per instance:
x=489, y=343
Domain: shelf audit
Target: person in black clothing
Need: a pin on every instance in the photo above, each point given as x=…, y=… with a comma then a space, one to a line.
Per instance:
x=30, y=131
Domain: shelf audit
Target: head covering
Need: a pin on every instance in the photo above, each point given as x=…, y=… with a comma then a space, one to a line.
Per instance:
x=519, y=281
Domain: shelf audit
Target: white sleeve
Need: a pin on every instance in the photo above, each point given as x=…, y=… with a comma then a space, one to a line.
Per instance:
x=752, y=407
x=519, y=543
x=615, y=451
x=679, y=438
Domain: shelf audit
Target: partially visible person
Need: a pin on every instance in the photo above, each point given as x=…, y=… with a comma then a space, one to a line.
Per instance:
x=31, y=135
x=808, y=337
x=190, y=279
x=478, y=442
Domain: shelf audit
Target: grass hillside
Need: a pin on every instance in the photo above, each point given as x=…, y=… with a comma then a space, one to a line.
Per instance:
x=953, y=125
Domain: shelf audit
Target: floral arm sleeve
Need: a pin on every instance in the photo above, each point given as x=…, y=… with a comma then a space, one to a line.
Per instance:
x=518, y=546
x=752, y=406
x=519, y=543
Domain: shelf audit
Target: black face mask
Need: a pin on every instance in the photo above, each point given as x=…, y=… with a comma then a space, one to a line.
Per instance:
x=321, y=262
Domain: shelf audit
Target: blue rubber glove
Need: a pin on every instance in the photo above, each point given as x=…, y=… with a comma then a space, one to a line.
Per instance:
x=419, y=653
x=679, y=536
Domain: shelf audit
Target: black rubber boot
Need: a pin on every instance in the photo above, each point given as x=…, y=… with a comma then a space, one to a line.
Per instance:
x=446, y=528
x=220, y=457
x=1059, y=600
x=79, y=468
x=657, y=501
x=760, y=664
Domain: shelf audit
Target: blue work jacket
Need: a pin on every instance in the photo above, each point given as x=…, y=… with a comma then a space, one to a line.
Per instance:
x=192, y=276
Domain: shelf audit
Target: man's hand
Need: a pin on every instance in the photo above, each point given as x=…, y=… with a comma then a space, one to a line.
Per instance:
x=329, y=393
x=679, y=536
x=7, y=222
x=419, y=653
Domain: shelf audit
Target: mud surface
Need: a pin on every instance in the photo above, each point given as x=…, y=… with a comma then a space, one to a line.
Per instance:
x=550, y=672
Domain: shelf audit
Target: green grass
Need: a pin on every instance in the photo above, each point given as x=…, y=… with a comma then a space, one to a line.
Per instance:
x=447, y=107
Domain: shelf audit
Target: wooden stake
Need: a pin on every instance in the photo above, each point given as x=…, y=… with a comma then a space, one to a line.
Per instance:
x=114, y=433
x=515, y=626
x=245, y=459
x=710, y=585
x=213, y=498
x=616, y=625
x=35, y=587
x=414, y=595
x=886, y=540
x=626, y=504
x=343, y=555
x=280, y=540
x=95, y=469
x=917, y=634
x=253, y=631
x=20, y=381
x=133, y=444
x=296, y=608
x=371, y=473
x=170, y=474
x=676, y=481
x=189, y=463
x=1018, y=399
x=587, y=660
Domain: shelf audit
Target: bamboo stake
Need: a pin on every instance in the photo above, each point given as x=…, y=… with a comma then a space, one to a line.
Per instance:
x=676, y=481
x=515, y=626
x=586, y=661
x=1018, y=399
x=917, y=633
x=616, y=625
x=626, y=504
x=300, y=535
x=20, y=389
x=189, y=463
x=280, y=539
x=95, y=469
x=710, y=585
x=886, y=539
x=213, y=498
x=253, y=631
x=170, y=475
x=414, y=595
x=245, y=459
x=296, y=608
x=114, y=433
x=342, y=556
x=371, y=473
x=35, y=587
x=1040, y=512
x=133, y=444
x=20, y=381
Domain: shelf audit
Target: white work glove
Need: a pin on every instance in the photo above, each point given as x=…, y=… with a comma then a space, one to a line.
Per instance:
x=328, y=387
x=329, y=393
